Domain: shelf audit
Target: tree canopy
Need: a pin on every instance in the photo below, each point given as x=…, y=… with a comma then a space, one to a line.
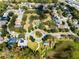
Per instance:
x=40, y=1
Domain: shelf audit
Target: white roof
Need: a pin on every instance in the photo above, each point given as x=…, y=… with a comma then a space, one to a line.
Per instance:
x=24, y=43
x=6, y=13
x=47, y=44
x=2, y=22
x=1, y=40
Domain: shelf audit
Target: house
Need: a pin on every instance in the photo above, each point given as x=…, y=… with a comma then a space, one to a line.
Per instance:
x=6, y=39
x=66, y=11
x=2, y=23
x=1, y=40
x=75, y=22
x=77, y=25
x=22, y=43
x=38, y=40
x=6, y=13
x=46, y=44
x=18, y=21
x=27, y=4
x=0, y=33
x=63, y=27
x=45, y=6
x=5, y=18
x=37, y=5
x=70, y=1
x=56, y=19
x=69, y=16
x=14, y=34
x=11, y=42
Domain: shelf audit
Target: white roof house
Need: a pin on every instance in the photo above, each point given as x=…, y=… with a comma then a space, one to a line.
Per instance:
x=1, y=40
x=70, y=1
x=22, y=42
x=77, y=25
x=3, y=23
x=0, y=33
x=46, y=44
x=6, y=13
x=27, y=4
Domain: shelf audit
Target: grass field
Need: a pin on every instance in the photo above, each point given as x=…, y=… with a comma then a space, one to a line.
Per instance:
x=32, y=45
x=76, y=51
x=77, y=0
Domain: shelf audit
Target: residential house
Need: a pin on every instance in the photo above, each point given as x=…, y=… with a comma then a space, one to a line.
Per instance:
x=0, y=33
x=1, y=40
x=75, y=21
x=70, y=1
x=22, y=43
x=73, y=3
x=2, y=22
x=18, y=21
x=46, y=44
x=77, y=25
x=11, y=42
x=6, y=13
x=57, y=20
x=37, y=5
x=4, y=19
x=27, y=4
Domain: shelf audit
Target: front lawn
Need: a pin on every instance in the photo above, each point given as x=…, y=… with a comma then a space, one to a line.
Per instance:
x=32, y=45
x=76, y=51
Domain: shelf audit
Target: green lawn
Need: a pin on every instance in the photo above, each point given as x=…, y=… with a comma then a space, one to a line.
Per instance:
x=76, y=51
x=32, y=45
x=77, y=0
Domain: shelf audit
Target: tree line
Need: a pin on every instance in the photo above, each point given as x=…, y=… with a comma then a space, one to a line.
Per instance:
x=36, y=1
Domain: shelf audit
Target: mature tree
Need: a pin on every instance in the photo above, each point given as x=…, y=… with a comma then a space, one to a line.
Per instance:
x=63, y=51
x=2, y=7
x=37, y=1
x=74, y=12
